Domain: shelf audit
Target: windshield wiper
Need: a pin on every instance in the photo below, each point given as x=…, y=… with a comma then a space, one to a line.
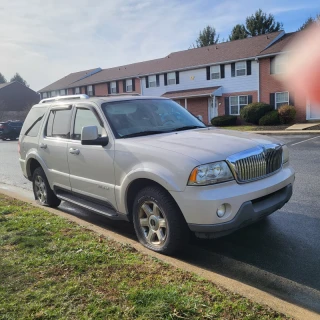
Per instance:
x=187, y=128
x=142, y=133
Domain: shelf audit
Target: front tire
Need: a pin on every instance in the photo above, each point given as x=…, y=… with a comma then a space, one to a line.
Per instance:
x=158, y=221
x=42, y=191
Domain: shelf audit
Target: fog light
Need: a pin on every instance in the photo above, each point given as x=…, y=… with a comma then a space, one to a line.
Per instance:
x=221, y=211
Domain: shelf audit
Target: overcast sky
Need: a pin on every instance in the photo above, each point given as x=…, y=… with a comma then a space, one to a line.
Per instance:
x=46, y=40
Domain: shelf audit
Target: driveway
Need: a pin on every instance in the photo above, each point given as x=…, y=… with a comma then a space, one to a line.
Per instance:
x=280, y=254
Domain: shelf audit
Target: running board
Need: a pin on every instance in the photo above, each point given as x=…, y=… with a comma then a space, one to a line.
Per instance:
x=101, y=209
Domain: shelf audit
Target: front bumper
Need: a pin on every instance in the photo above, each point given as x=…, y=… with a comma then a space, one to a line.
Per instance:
x=249, y=212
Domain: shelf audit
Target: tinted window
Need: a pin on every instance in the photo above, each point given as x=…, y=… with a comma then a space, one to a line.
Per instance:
x=84, y=118
x=58, y=124
x=33, y=122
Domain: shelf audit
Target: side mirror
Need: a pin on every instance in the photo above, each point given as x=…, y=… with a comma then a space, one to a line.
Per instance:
x=90, y=137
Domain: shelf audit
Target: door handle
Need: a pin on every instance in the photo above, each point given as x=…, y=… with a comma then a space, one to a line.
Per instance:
x=43, y=146
x=74, y=151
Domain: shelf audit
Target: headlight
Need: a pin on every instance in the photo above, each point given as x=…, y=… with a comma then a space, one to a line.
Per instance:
x=285, y=154
x=210, y=173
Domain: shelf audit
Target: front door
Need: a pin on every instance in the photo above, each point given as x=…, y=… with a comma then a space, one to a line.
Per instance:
x=213, y=111
x=91, y=167
x=314, y=111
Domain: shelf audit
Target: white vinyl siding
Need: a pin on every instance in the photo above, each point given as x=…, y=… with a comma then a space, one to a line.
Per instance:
x=129, y=85
x=113, y=86
x=77, y=90
x=236, y=103
x=171, y=78
x=241, y=68
x=282, y=98
x=152, y=81
x=90, y=91
x=215, y=72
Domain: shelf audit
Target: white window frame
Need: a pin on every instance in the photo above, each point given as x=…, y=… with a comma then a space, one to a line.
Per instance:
x=129, y=85
x=171, y=78
x=77, y=90
x=53, y=94
x=280, y=63
x=152, y=81
x=44, y=95
x=90, y=91
x=238, y=68
x=215, y=72
x=62, y=92
x=281, y=102
x=238, y=104
x=113, y=87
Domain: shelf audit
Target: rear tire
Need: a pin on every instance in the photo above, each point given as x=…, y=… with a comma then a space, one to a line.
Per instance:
x=42, y=191
x=158, y=221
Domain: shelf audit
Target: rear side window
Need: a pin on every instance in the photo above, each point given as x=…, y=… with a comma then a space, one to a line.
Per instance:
x=33, y=122
x=58, y=125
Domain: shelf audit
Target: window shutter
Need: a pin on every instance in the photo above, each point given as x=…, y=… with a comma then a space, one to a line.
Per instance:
x=133, y=84
x=109, y=88
x=93, y=90
x=158, y=80
x=147, y=82
x=73, y=90
x=291, y=99
x=273, y=100
x=226, y=106
x=208, y=73
x=177, y=77
x=124, y=86
x=233, y=69
x=249, y=99
x=248, y=67
x=117, y=86
x=85, y=90
x=165, y=79
x=272, y=65
x=222, y=71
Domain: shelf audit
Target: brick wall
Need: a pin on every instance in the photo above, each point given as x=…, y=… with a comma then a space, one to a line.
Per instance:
x=70, y=91
x=221, y=104
x=269, y=83
x=101, y=89
x=198, y=106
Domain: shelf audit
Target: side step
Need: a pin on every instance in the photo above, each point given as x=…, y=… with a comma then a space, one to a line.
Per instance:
x=104, y=210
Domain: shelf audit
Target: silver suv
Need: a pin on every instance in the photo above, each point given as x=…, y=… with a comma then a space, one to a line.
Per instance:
x=149, y=161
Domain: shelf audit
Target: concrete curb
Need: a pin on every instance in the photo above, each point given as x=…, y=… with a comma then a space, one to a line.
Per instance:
x=235, y=286
x=287, y=132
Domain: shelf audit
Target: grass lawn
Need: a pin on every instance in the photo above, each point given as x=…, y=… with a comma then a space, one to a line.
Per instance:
x=54, y=269
x=241, y=128
x=256, y=128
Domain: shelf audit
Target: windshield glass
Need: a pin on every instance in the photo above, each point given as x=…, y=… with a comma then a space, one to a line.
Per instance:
x=148, y=116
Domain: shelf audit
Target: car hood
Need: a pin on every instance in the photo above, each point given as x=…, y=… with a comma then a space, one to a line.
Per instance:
x=206, y=145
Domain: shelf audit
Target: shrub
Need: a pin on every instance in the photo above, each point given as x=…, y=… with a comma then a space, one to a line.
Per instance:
x=253, y=112
x=287, y=114
x=270, y=119
x=224, y=121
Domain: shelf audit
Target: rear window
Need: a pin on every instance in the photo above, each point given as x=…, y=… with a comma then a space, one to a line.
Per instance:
x=33, y=122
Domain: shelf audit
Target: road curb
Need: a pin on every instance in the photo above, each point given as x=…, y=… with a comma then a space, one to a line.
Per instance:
x=232, y=285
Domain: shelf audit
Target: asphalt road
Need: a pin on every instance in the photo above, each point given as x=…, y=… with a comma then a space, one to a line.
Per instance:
x=280, y=254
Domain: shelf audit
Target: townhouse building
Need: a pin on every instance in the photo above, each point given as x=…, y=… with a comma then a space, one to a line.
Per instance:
x=209, y=81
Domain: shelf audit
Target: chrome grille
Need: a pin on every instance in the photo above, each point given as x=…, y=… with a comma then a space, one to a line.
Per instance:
x=256, y=163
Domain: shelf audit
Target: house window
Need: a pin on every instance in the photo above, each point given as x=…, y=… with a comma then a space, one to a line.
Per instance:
x=278, y=64
x=237, y=103
x=113, y=86
x=53, y=93
x=44, y=95
x=282, y=98
x=90, y=91
x=171, y=78
x=215, y=72
x=77, y=90
x=241, y=68
x=62, y=92
x=152, y=81
x=129, y=85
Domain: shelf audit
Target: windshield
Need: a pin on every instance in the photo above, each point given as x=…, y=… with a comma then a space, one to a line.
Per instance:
x=148, y=116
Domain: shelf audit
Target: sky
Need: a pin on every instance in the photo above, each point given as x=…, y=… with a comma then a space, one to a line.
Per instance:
x=46, y=40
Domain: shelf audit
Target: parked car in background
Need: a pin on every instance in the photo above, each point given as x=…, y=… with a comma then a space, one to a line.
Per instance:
x=149, y=161
x=10, y=129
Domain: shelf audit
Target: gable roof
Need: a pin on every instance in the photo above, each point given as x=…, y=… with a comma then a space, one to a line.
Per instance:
x=192, y=58
x=66, y=81
x=2, y=85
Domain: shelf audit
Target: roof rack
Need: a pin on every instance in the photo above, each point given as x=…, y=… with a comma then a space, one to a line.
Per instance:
x=61, y=98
